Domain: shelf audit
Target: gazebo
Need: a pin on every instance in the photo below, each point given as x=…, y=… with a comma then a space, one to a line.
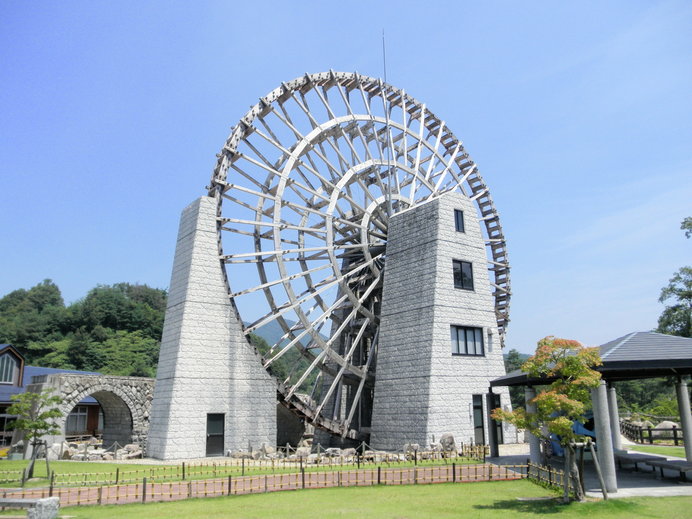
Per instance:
x=637, y=355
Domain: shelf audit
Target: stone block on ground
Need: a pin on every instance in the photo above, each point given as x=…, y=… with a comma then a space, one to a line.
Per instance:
x=663, y=429
x=447, y=442
x=303, y=452
x=45, y=508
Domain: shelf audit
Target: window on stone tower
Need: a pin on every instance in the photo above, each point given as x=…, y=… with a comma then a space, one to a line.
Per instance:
x=463, y=274
x=467, y=341
x=459, y=220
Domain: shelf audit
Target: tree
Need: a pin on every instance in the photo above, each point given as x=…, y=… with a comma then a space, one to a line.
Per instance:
x=676, y=318
x=114, y=330
x=36, y=414
x=513, y=361
x=686, y=225
x=567, y=365
x=289, y=367
x=83, y=352
x=640, y=396
x=34, y=315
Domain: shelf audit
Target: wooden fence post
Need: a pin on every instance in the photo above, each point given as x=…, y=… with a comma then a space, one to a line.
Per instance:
x=117, y=475
x=379, y=475
x=454, y=472
x=183, y=471
x=144, y=490
x=100, y=495
x=302, y=475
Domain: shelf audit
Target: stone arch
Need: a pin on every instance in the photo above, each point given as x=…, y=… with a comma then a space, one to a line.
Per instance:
x=125, y=401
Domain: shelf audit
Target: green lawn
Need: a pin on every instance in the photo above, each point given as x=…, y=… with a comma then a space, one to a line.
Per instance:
x=661, y=450
x=468, y=500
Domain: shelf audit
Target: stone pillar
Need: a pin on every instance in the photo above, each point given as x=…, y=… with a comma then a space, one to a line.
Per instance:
x=493, y=440
x=534, y=442
x=206, y=366
x=606, y=458
x=614, y=418
x=685, y=415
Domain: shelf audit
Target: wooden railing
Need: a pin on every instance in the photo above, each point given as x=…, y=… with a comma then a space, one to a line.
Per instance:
x=146, y=490
x=546, y=475
x=639, y=434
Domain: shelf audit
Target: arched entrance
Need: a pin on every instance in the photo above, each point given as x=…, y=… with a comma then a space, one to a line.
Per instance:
x=125, y=401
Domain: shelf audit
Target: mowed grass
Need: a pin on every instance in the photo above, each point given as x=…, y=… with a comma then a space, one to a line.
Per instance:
x=660, y=450
x=466, y=500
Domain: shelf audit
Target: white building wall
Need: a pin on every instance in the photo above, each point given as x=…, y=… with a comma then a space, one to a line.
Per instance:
x=205, y=363
x=423, y=391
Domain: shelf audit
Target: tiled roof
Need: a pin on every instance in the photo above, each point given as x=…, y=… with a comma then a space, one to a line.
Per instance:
x=647, y=346
x=632, y=356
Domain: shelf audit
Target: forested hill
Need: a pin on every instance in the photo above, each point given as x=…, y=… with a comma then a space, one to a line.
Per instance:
x=115, y=329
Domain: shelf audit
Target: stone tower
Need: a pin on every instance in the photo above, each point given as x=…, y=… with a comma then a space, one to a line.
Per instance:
x=212, y=393
x=439, y=346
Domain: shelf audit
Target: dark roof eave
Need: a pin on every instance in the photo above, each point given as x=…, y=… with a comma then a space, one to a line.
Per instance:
x=620, y=370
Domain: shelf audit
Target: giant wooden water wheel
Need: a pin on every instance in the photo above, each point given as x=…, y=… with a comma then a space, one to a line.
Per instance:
x=306, y=184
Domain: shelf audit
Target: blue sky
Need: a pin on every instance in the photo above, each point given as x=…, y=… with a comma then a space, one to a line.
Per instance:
x=579, y=116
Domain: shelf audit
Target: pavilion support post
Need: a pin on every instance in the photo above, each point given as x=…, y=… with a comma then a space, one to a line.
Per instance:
x=614, y=418
x=534, y=443
x=685, y=415
x=493, y=440
x=606, y=458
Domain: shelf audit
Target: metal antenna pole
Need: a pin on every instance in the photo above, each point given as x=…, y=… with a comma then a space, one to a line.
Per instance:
x=389, y=131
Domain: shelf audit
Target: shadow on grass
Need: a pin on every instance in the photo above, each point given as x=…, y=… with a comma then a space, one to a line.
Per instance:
x=556, y=506
x=551, y=506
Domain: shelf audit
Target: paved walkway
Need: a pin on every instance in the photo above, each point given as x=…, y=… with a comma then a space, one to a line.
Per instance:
x=631, y=483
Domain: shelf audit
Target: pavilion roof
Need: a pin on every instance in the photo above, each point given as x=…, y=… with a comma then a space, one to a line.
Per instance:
x=632, y=356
